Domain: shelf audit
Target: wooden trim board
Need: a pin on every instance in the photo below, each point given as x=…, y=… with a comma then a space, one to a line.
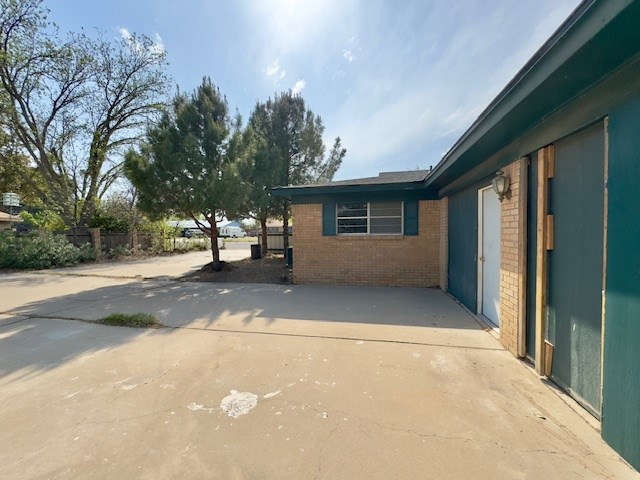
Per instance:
x=544, y=154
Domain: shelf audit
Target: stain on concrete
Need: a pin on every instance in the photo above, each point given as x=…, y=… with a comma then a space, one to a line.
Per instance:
x=238, y=403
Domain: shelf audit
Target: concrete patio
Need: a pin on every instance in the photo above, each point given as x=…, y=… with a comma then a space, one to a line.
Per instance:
x=267, y=381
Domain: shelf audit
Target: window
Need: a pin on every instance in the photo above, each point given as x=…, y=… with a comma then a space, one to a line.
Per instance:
x=374, y=218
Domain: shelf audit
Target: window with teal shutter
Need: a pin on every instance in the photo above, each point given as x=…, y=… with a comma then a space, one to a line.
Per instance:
x=411, y=217
x=370, y=218
x=328, y=219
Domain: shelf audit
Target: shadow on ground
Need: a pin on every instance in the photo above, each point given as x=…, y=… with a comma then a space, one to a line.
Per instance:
x=404, y=315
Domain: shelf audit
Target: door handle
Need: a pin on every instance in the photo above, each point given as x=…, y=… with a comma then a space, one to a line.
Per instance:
x=482, y=259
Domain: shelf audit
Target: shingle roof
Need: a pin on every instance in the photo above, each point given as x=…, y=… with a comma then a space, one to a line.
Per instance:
x=382, y=178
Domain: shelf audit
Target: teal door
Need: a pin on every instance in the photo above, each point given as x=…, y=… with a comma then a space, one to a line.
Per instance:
x=575, y=269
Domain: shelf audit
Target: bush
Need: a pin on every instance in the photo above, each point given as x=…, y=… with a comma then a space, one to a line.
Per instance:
x=117, y=252
x=36, y=251
x=86, y=253
x=184, y=245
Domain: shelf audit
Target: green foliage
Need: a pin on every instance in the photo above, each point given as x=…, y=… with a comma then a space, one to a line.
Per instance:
x=71, y=104
x=189, y=164
x=47, y=219
x=136, y=320
x=285, y=145
x=191, y=245
x=117, y=252
x=105, y=221
x=290, y=140
x=37, y=251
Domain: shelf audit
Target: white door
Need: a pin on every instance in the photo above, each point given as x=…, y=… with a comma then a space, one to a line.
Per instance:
x=489, y=255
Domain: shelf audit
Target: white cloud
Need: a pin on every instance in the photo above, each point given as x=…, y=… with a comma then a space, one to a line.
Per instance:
x=137, y=44
x=157, y=46
x=298, y=86
x=348, y=55
x=125, y=34
x=275, y=71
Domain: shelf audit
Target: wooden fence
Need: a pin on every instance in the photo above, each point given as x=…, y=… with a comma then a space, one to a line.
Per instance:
x=275, y=242
x=110, y=241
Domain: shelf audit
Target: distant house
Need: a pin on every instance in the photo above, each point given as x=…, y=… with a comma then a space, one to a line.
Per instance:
x=554, y=261
x=6, y=220
x=275, y=226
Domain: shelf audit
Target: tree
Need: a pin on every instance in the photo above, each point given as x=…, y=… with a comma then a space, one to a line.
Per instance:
x=74, y=103
x=118, y=212
x=261, y=171
x=189, y=163
x=290, y=144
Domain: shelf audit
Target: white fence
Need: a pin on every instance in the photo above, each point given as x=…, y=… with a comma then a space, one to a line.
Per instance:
x=275, y=242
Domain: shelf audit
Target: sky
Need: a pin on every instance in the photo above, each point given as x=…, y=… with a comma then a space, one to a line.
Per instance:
x=398, y=81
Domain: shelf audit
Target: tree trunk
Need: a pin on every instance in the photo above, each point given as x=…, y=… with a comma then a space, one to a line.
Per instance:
x=285, y=227
x=215, y=251
x=133, y=240
x=263, y=228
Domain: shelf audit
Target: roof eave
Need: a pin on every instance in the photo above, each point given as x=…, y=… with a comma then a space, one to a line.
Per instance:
x=586, y=21
x=291, y=191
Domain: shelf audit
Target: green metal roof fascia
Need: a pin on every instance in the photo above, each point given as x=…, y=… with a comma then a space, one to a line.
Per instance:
x=288, y=192
x=589, y=19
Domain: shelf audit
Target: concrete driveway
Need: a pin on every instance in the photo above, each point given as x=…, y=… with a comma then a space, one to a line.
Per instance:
x=267, y=381
x=168, y=267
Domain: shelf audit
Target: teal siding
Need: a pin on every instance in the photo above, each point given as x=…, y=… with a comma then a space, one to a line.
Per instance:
x=463, y=246
x=574, y=316
x=328, y=219
x=621, y=392
x=411, y=217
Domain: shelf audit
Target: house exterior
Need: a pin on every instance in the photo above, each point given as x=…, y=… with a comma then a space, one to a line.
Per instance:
x=555, y=263
x=369, y=231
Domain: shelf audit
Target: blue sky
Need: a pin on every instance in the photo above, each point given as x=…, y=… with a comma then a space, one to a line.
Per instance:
x=398, y=81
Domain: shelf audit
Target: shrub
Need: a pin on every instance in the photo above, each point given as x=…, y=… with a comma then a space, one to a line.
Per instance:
x=118, y=251
x=36, y=251
x=86, y=253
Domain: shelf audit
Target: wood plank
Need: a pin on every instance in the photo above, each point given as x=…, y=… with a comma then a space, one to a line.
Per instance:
x=550, y=233
x=548, y=358
x=522, y=255
x=541, y=258
x=604, y=248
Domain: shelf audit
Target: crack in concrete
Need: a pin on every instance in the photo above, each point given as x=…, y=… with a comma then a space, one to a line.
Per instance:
x=17, y=321
x=276, y=334
x=324, y=444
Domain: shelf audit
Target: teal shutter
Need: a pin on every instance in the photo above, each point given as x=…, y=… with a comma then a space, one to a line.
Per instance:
x=328, y=219
x=411, y=217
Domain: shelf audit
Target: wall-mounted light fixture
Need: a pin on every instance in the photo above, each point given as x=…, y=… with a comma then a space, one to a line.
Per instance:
x=501, y=185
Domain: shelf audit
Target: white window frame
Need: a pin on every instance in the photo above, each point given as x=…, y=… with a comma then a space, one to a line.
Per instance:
x=368, y=217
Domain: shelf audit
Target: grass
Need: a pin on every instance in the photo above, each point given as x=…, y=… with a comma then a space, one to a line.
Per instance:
x=137, y=320
x=246, y=239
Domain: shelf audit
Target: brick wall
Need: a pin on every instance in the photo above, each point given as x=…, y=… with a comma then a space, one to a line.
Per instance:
x=408, y=261
x=513, y=256
x=444, y=244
